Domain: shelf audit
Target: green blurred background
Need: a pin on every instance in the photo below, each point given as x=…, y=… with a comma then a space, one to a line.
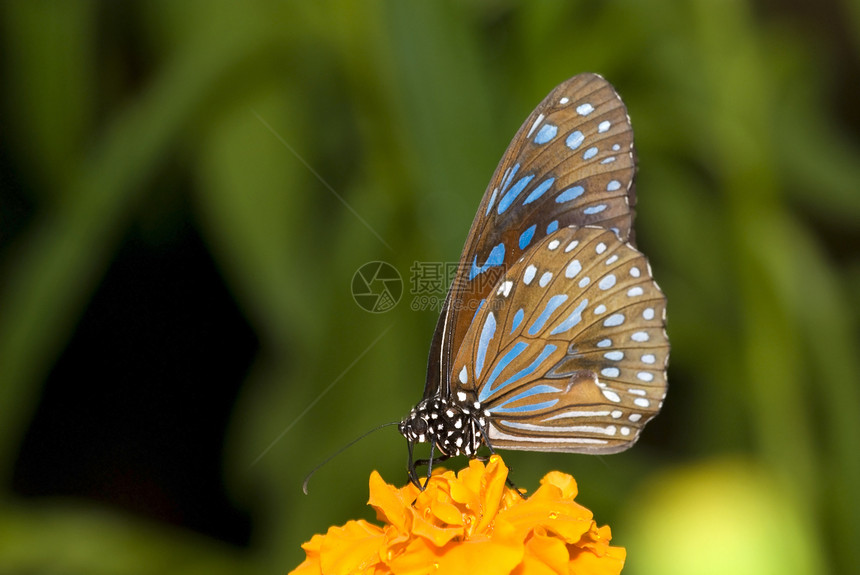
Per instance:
x=188, y=188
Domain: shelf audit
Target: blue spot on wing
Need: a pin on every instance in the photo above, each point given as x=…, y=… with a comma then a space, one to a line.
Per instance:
x=492, y=201
x=528, y=393
x=570, y=194
x=518, y=319
x=574, y=140
x=524, y=408
x=496, y=258
x=514, y=352
x=545, y=134
x=553, y=225
x=487, y=390
x=487, y=333
x=539, y=191
x=512, y=194
x=526, y=236
x=551, y=306
x=509, y=175
x=480, y=305
x=574, y=318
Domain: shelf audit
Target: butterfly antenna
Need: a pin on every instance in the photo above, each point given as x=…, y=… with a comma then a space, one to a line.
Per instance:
x=341, y=450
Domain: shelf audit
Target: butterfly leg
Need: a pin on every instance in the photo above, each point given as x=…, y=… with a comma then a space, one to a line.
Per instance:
x=430, y=465
x=413, y=475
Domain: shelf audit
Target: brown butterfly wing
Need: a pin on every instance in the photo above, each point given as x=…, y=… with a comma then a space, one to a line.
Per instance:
x=572, y=162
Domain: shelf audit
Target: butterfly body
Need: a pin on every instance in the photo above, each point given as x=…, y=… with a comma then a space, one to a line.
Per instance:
x=453, y=424
x=552, y=337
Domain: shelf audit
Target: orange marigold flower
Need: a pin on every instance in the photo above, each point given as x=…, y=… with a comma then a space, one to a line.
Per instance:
x=470, y=523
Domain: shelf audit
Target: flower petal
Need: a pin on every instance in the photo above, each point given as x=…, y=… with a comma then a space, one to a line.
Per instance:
x=563, y=481
x=545, y=554
x=311, y=564
x=313, y=546
x=584, y=561
x=447, y=513
x=388, y=502
x=351, y=549
x=307, y=567
x=469, y=523
x=482, y=556
x=435, y=534
x=419, y=557
x=567, y=519
x=492, y=488
x=596, y=540
x=471, y=476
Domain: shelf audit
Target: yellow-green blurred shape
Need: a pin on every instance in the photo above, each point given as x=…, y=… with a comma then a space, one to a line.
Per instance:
x=721, y=516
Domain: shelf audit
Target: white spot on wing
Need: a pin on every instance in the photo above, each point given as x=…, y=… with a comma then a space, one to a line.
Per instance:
x=613, y=320
x=575, y=413
x=537, y=121
x=606, y=282
x=529, y=274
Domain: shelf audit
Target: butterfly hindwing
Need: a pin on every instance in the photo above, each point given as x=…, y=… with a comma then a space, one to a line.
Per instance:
x=569, y=351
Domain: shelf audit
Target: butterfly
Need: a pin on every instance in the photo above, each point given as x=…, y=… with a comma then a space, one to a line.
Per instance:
x=552, y=336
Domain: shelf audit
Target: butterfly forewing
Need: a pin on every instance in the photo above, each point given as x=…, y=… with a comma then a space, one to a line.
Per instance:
x=569, y=351
x=571, y=163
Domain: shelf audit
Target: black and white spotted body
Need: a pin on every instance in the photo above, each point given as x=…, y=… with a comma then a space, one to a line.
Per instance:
x=454, y=425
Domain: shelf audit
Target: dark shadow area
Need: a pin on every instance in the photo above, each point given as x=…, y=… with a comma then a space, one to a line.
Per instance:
x=134, y=413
